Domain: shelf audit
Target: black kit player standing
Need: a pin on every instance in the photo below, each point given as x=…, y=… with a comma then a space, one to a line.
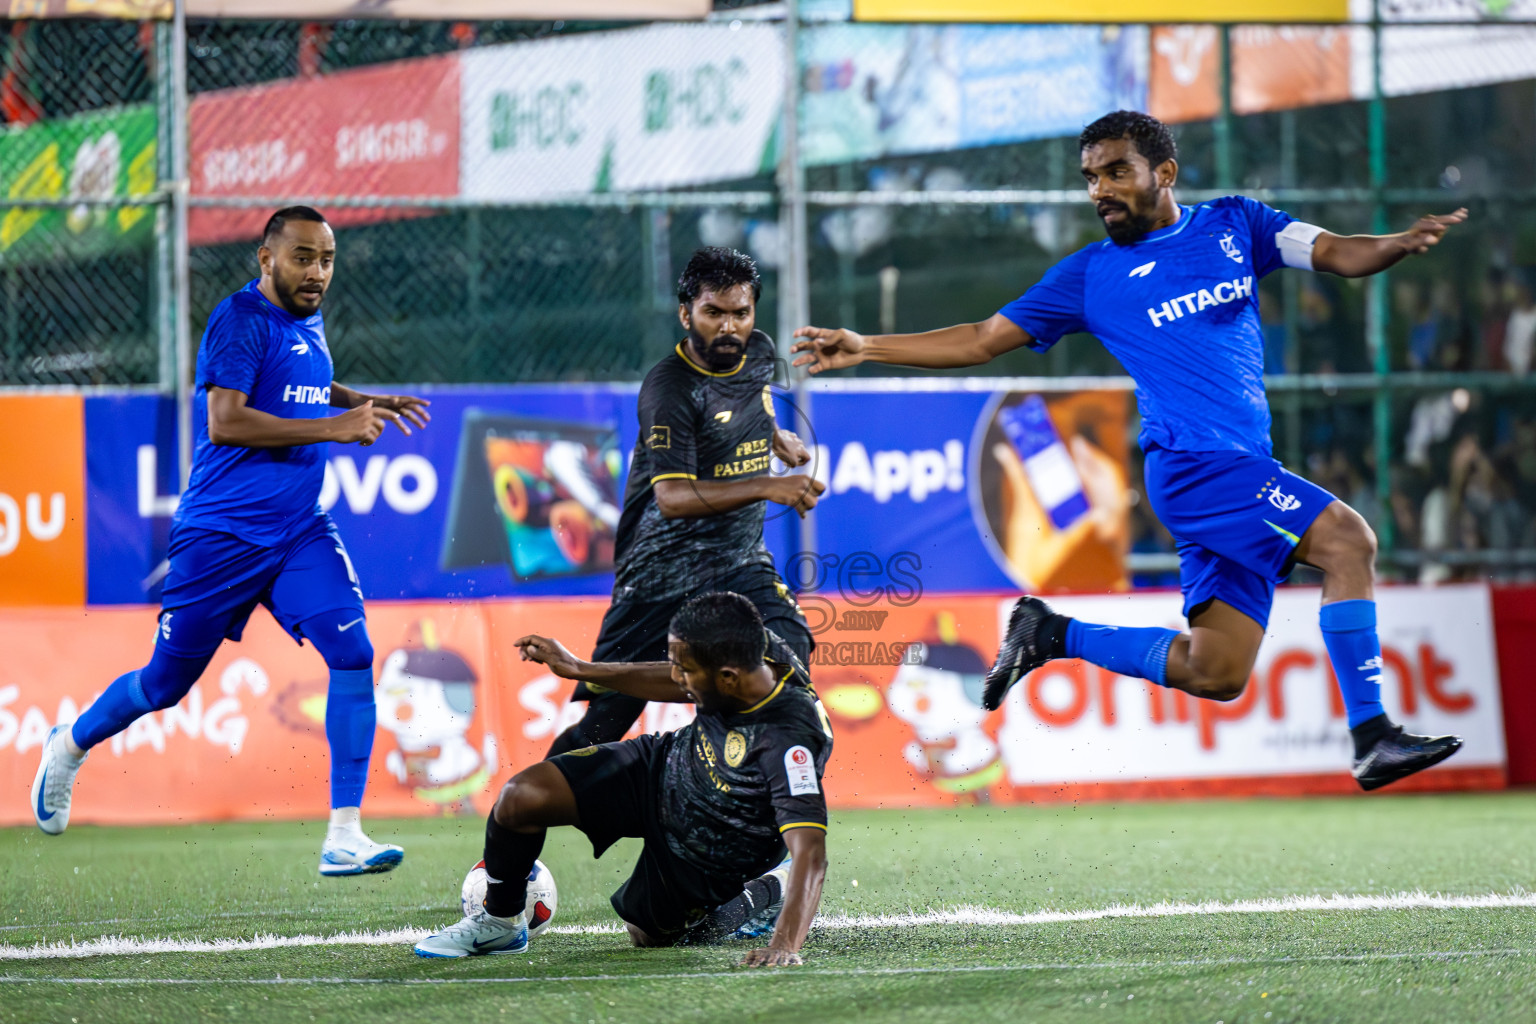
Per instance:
x=698, y=484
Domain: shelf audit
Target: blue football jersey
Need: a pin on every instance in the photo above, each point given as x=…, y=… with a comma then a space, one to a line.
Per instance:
x=262, y=495
x=1180, y=310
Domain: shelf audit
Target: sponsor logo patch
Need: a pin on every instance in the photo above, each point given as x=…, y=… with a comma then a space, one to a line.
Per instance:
x=659, y=437
x=800, y=769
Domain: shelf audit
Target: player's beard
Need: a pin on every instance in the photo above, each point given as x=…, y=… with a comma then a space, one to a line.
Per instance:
x=292, y=300
x=716, y=357
x=1133, y=227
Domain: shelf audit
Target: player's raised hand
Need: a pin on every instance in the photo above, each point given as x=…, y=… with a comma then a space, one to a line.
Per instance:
x=409, y=407
x=827, y=348
x=790, y=449
x=1428, y=230
x=551, y=654
x=363, y=424
x=798, y=491
x=770, y=957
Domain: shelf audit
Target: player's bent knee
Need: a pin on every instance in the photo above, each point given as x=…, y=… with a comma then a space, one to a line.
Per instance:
x=1224, y=688
x=520, y=802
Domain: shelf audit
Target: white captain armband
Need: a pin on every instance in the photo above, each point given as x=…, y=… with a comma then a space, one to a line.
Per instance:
x=1296, y=243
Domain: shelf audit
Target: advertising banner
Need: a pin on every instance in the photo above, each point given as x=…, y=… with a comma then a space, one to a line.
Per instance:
x=655, y=107
x=1273, y=68
x=976, y=490
x=386, y=130
x=1015, y=11
x=510, y=491
x=91, y=156
x=874, y=90
x=42, y=500
x=394, y=10
x=458, y=711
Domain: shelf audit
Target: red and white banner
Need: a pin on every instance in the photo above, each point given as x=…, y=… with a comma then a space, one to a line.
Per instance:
x=1072, y=723
x=386, y=130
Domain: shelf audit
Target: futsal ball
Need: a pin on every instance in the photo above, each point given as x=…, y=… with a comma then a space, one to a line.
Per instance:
x=542, y=897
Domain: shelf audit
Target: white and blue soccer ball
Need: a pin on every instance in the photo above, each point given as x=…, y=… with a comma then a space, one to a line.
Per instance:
x=542, y=897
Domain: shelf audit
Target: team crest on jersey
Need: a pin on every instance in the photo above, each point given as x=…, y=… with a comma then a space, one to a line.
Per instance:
x=735, y=748
x=1229, y=246
x=768, y=400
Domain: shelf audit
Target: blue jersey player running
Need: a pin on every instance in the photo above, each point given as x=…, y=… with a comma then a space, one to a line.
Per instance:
x=249, y=530
x=1171, y=294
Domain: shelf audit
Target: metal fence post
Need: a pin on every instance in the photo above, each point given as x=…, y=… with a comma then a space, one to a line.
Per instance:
x=181, y=285
x=1376, y=310
x=794, y=270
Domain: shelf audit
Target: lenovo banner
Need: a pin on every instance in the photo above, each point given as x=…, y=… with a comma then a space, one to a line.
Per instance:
x=390, y=130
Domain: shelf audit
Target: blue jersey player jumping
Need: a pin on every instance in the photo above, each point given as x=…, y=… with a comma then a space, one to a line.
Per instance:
x=1171, y=294
x=249, y=530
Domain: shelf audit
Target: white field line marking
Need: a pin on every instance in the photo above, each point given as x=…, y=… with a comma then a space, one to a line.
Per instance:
x=976, y=916
x=846, y=972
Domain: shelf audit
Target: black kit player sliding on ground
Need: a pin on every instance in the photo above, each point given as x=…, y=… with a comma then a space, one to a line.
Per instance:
x=716, y=801
x=698, y=483
x=1171, y=294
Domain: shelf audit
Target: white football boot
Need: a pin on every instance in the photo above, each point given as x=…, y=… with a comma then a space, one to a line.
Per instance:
x=477, y=935
x=348, y=852
x=55, y=782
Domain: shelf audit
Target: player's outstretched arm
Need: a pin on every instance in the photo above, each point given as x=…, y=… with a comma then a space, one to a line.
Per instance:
x=694, y=499
x=409, y=407
x=648, y=680
x=802, y=897
x=1363, y=255
x=824, y=348
x=232, y=422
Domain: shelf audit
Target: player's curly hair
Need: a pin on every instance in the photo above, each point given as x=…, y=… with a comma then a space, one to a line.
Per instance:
x=717, y=267
x=720, y=629
x=1150, y=136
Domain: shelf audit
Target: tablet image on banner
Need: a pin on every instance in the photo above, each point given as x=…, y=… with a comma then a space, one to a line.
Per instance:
x=540, y=496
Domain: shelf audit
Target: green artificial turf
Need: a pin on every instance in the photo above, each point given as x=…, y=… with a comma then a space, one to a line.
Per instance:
x=237, y=881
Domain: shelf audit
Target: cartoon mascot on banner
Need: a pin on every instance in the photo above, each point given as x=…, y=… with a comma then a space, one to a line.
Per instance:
x=940, y=698
x=426, y=699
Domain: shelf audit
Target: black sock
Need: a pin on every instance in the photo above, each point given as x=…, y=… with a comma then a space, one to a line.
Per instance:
x=509, y=858
x=1370, y=732
x=726, y=918
x=1053, y=636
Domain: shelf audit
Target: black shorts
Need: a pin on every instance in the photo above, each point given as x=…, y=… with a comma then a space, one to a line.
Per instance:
x=637, y=630
x=616, y=787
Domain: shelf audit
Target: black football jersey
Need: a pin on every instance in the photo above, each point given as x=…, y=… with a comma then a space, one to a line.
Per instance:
x=695, y=424
x=733, y=784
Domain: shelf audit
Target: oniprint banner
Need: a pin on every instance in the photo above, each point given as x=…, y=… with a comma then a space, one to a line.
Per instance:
x=901, y=678
x=655, y=107
x=874, y=90
x=92, y=156
x=388, y=130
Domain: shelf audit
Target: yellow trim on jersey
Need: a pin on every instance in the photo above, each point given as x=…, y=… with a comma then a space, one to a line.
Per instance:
x=673, y=476
x=776, y=690
x=801, y=824
x=710, y=373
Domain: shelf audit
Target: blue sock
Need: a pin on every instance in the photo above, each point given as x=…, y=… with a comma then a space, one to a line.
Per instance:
x=350, y=718
x=1349, y=633
x=160, y=684
x=112, y=712
x=1140, y=652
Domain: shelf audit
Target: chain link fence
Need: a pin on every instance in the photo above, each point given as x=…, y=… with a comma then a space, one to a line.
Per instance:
x=513, y=202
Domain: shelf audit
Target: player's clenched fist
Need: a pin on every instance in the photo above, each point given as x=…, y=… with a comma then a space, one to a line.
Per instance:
x=827, y=348
x=797, y=491
x=550, y=653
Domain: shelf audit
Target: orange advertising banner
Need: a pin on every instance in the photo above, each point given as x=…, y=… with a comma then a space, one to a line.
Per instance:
x=1273, y=68
x=900, y=676
x=42, y=500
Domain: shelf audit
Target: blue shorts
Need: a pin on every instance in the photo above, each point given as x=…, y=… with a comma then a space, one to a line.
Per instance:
x=216, y=580
x=1237, y=519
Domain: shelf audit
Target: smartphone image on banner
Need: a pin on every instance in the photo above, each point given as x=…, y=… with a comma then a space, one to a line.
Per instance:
x=1047, y=463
